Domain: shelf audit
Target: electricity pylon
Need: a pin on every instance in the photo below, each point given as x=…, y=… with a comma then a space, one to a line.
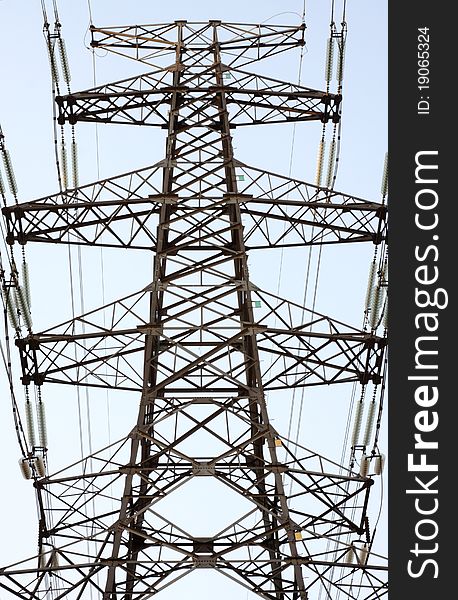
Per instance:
x=190, y=343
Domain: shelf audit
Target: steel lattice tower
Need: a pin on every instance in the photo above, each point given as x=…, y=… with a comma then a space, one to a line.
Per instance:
x=190, y=342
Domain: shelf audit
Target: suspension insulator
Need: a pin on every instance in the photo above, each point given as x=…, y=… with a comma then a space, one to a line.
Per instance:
x=363, y=555
x=30, y=423
x=64, y=164
x=64, y=60
x=9, y=171
x=377, y=303
x=25, y=468
x=11, y=307
x=52, y=61
x=40, y=466
x=42, y=429
x=319, y=163
x=350, y=555
x=384, y=274
x=379, y=464
x=2, y=186
x=26, y=283
x=340, y=62
x=369, y=423
x=384, y=186
x=329, y=60
x=49, y=559
x=332, y=155
x=22, y=303
x=357, y=423
x=364, y=466
x=75, y=164
x=385, y=314
x=370, y=285
x=45, y=557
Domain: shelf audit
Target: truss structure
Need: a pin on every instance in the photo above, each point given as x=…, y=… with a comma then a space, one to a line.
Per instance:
x=190, y=344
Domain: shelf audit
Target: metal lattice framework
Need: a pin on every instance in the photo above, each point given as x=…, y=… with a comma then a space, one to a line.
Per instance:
x=190, y=343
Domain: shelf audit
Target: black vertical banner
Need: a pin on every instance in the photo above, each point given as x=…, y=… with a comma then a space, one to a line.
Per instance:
x=423, y=359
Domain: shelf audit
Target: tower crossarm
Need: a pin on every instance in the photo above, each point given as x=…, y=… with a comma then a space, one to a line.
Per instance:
x=250, y=99
x=104, y=348
x=239, y=43
x=123, y=212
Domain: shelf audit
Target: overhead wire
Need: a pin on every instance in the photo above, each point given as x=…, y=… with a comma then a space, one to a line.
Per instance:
x=61, y=161
x=335, y=150
x=293, y=140
x=290, y=167
x=6, y=359
x=62, y=178
x=369, y=453
x=309, y=260
x=75, y=182
x=53, y=39
x=89, y=8
x=101, y=253
x=286, y=12
x=16, y=299
x=102, y=269
x=33, y=450
x=334, y=156
x=102, y=261
x=290, y=170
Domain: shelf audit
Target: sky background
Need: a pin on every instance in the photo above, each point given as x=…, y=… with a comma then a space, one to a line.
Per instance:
x=26, y=119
